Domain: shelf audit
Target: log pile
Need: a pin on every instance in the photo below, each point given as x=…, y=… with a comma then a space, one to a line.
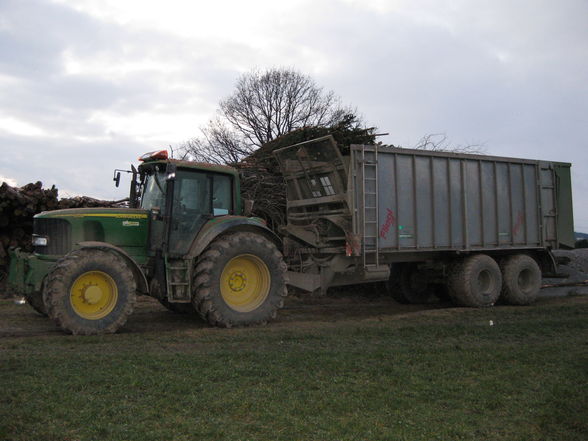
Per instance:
x=17, y=208
x=19, y=205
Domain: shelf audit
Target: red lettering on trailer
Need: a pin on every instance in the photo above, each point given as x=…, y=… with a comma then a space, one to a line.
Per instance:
x=518, y=224
x=390, y=220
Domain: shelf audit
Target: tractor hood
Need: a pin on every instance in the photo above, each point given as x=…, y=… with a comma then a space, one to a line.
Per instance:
x=101, y=213
x=58, y=232
x=95, y=212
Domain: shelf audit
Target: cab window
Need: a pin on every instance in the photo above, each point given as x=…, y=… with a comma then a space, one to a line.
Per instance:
x=222, y=197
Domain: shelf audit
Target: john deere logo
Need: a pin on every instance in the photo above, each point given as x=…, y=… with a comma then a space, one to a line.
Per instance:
x=130, y=223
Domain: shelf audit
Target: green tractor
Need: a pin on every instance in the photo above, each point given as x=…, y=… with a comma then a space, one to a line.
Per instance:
x=184, y=240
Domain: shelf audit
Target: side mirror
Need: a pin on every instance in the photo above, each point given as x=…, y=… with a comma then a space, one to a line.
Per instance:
x=116, y=179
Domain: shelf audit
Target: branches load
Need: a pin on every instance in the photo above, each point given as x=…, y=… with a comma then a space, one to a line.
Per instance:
x=261, y=180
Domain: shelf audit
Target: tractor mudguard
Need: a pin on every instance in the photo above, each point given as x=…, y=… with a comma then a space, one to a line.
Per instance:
x=225, y=224
x=142, y=285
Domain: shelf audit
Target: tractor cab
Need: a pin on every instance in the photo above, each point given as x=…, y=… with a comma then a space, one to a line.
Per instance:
x=181, y=197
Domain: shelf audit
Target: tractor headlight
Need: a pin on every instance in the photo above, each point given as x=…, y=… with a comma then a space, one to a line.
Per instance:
x=39, y=241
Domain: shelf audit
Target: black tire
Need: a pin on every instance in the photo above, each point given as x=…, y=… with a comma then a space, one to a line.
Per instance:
x=475, y=281
x=35, y=301
x=393, y=283
x=410, y=287
x=220, y=303
x=90, y=292
x=441, y=291
x=521, y=279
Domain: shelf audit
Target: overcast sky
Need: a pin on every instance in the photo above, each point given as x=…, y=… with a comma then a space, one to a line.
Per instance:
x=87, y=86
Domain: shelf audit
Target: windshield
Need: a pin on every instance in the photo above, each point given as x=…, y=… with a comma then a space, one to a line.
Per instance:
x=152, y=195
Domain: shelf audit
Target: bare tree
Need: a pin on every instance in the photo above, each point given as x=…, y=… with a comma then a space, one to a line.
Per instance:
x=218, y=144
x=264, y=106
x=439, y=142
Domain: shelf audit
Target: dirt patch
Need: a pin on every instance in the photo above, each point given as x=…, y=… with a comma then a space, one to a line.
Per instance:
x=19, y=320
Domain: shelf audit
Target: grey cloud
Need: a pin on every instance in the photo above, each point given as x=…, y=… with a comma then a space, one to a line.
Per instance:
x=81, y=168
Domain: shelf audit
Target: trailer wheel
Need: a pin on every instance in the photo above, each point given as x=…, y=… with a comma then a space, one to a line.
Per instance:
x=441, y=291
x=240, y=279
x=411, y=286
x=521, y=279
x=475, y=281
x=90, y=292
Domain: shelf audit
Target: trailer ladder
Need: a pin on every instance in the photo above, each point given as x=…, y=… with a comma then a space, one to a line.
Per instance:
x=369, y=169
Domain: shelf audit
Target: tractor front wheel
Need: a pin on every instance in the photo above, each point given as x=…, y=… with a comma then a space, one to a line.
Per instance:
x=35, y=301
x=239, y=280
x=90, y=292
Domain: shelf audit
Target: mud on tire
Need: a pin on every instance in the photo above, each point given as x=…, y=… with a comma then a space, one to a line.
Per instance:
x=240, y=279
x=90, y=292
x=35, y=301
x=475, y=281
x=521, y=279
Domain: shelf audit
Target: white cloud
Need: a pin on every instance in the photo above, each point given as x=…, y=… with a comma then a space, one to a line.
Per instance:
x=9, y=181
x=227, y=20
x=115, y=66
x=379, y=6
x=14, y=126
x=149, y=128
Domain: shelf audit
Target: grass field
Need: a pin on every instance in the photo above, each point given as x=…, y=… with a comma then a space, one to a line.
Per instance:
x=433, y=374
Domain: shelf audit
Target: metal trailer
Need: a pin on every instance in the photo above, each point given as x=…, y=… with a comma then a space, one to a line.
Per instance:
x=420, y=218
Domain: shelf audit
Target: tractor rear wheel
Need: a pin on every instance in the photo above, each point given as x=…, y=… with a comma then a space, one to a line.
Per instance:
x=90, y=292
x=240, y=279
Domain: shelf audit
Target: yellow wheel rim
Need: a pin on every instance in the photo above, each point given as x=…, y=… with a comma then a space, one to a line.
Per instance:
x=245, y=282
x=93, y=295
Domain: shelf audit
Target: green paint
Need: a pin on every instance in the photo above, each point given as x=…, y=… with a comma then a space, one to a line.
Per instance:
x=126, y=228
x=26, y=272
x=565, y=214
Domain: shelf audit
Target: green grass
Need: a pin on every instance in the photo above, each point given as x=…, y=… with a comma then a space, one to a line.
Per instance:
x=435, y=375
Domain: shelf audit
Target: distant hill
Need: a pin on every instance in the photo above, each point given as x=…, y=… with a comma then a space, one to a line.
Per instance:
x=579, y=236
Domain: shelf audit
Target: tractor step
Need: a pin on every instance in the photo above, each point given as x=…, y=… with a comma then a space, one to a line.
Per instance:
x=178, y=276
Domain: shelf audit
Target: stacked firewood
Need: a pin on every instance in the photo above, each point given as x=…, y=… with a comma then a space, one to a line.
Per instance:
x=17, y=208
